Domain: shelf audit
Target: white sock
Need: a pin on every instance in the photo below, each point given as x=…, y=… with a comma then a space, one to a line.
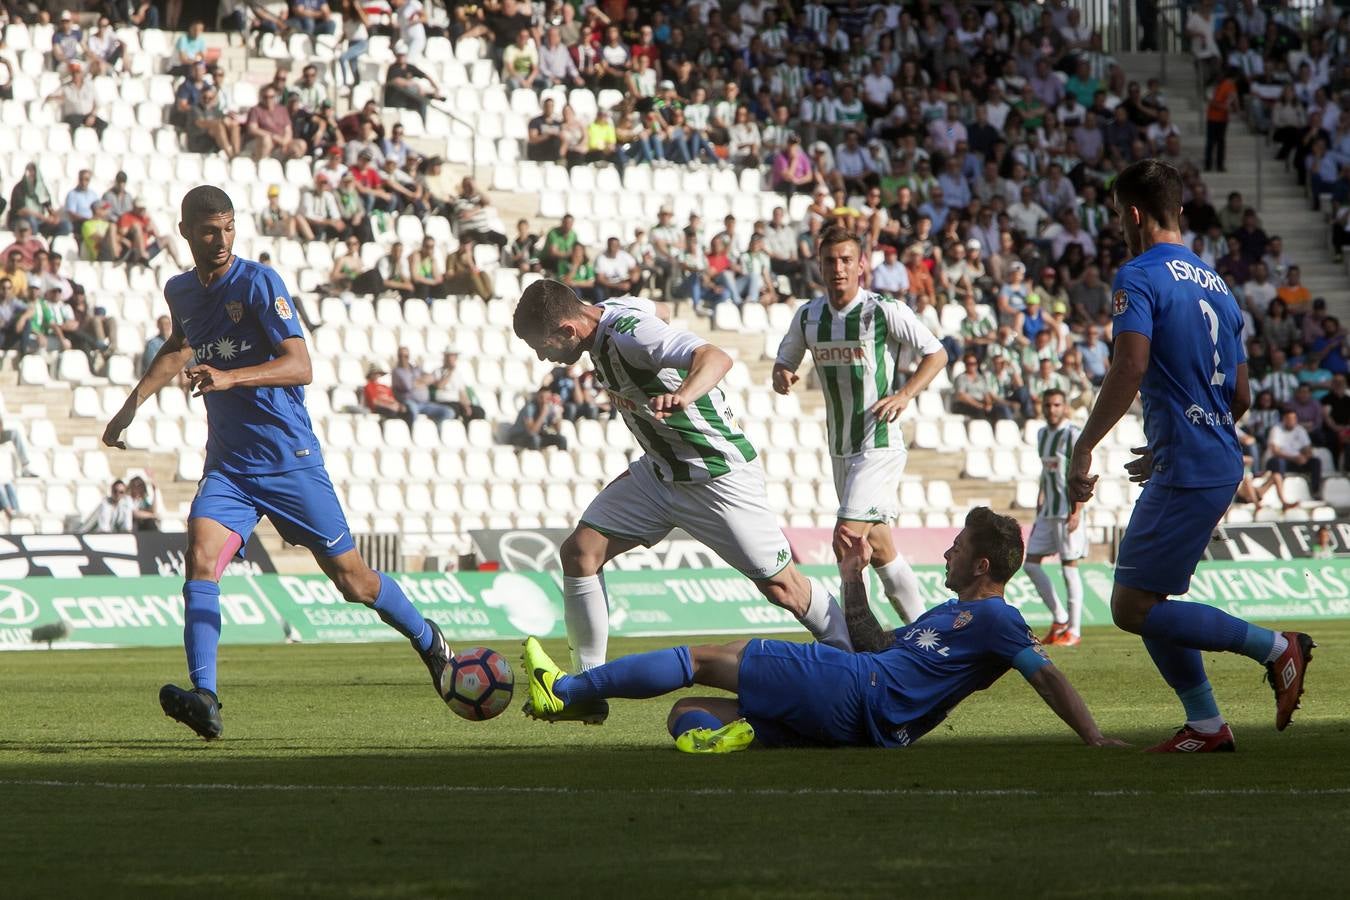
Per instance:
x=1073, y=582
x=825, y=619
x=1047, y=591
x=1206, y=726
x=902, y=588
x=586, y=612
x=1281, y=644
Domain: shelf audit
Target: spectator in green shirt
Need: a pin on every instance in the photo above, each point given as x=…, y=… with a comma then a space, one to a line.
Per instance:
x=558, y=245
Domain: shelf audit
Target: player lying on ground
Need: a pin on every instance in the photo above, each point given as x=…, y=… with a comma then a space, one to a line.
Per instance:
x=698, y=471
x=857, y=339
x=262, y=458
x=1058, y=530
x=1178, y=340
x=893, y=691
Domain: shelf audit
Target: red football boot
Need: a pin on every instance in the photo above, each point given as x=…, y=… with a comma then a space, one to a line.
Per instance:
x=1188, y=740
x=1285, y=675
x=1053, y=635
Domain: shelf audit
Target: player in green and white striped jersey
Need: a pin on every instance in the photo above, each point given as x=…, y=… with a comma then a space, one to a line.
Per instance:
x=857, y=339
x=698, y=473
x=1058, y=530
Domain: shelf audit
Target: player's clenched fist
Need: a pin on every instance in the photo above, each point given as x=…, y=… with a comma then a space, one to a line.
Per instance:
x=854, y=551
x=784, y=379
x=118, y=424
x=667, y=405
x=1081, y=483
x=205, y=379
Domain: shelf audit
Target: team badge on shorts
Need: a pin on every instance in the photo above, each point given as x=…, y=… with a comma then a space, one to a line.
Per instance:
x=1119, y=303
x=235, y=310
x=962, y=619
x=283, y=308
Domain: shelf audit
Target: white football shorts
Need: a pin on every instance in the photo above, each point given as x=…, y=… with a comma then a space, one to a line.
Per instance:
x=1052, y=537
x=868, y=485
x=729, y=515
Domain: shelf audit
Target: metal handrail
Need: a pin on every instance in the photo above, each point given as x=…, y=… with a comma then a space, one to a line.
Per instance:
x=441, y=106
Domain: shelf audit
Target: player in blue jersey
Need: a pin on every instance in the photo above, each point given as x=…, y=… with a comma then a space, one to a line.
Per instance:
x=895, y=688
x=234, y=321
x=1178, y=341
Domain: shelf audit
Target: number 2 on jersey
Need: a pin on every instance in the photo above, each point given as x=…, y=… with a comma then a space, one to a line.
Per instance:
x=1212, y=320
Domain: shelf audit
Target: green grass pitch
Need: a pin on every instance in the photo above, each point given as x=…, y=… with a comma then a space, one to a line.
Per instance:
x=341, y=775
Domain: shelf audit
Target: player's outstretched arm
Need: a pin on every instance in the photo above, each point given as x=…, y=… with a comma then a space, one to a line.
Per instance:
x=864, y=631
x=1060, y=696
x=169, y=361
x=289, y=368
x=1118, y=391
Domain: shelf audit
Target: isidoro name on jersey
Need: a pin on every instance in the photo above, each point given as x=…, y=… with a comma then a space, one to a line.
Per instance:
x=856, y=351
x=637, y=357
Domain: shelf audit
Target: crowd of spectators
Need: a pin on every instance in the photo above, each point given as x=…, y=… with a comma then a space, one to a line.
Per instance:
x=971, y=148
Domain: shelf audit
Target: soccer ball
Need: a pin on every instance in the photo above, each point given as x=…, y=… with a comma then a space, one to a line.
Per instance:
x=481, y=683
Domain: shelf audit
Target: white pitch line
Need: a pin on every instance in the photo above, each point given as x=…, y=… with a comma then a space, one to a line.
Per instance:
x=680, y=792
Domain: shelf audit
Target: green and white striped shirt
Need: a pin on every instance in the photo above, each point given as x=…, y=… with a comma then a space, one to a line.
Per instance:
x=1055, y=446
x=856, y=351
x=637, y=357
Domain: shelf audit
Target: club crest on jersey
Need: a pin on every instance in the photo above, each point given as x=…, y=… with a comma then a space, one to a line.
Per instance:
x=962, y=619
x=283, y=308
x=1119, y=303
x=235, y=310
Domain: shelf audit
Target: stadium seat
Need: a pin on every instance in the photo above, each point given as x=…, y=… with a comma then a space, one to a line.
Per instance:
x=1336, y=492
x=940, y=495
x=33, y=370
x=977, y=464
x=953, y=436
x=1004, y=463
x=927, y=435
x=1026, y=494
x=980, y=434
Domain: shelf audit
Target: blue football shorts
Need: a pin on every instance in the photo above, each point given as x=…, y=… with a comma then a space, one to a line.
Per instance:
x=301, y=504
x=1167, y=535
x=802, y=695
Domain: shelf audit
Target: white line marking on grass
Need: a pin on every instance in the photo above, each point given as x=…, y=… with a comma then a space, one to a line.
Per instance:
x=678, y=792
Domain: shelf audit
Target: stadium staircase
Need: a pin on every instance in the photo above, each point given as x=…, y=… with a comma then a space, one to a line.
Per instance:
x=1283, y=205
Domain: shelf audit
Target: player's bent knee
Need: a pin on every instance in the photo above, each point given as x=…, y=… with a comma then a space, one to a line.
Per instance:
x=578, y=560
x=359, y=587
x=1128, y=610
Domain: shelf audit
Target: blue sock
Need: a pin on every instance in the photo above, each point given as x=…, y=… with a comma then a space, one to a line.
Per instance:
x=1199, y=702
x=1184, y=671
x=396, y=610
x=1196, y=625
x=1258, y=642
x=201, y=631
x=694, y=718
x=634, y=677
x=1181, y=667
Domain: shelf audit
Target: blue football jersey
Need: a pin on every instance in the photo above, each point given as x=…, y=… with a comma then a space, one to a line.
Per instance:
x=1195, y=331
x=241, y=320
x=940, y=659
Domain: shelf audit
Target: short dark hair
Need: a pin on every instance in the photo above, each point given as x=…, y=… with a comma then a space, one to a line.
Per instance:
x=1051, y=392
x=1153, y=187
x=836, y=234
x=205, y=201
x=998, y=539
x=543, y=307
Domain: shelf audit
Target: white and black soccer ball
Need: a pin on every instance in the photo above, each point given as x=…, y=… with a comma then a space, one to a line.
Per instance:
x=481, y=684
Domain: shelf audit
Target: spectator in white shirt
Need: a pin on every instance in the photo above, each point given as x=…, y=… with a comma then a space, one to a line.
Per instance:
x=114, y=512
x=616, y=271
x=1289, y=449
